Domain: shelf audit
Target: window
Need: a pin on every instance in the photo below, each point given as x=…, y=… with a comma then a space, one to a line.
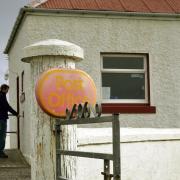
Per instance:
x=125, y=80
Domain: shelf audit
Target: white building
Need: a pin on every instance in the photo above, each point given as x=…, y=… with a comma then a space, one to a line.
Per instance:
x=131, y=52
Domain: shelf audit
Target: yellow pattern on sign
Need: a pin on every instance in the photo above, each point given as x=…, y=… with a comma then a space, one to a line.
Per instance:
x=58, y=89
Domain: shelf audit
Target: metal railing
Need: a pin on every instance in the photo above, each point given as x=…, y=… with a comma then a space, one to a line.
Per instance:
x=115, y=156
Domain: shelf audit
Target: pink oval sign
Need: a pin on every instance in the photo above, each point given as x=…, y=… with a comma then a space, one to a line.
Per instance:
x=58, y=89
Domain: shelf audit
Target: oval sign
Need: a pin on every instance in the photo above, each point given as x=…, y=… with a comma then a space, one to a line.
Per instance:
x=58, y=89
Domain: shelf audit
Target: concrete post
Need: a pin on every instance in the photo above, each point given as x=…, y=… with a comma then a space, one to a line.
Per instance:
x=43, y=56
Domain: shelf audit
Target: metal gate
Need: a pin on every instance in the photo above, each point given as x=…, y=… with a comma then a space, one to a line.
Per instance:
x=84, y=118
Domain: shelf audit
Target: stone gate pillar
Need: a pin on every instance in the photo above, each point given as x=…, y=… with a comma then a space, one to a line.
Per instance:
x=42, y=56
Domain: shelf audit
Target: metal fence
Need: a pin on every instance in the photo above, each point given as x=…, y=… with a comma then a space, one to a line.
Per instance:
x=115, y=156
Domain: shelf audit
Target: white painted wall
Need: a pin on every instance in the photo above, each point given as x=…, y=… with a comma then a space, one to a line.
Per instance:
x=96, y=34
x=15, y=69
x=100, y=33
x=146, y=154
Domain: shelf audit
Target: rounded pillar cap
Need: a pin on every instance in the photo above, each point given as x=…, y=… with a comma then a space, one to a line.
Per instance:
x=53, y=47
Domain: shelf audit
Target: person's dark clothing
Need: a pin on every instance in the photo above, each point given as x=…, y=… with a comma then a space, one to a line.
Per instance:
x=5, y=107
x=3, y=128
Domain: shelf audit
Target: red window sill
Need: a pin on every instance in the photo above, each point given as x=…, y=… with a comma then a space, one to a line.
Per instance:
x=127, y=108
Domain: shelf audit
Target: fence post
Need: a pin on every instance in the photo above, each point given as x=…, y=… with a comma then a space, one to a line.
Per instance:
x=116, y=148
x=42, y=56
x=58, y=156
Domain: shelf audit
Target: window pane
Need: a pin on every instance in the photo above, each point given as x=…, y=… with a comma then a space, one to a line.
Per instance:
x=123, y=62
x=123, y=86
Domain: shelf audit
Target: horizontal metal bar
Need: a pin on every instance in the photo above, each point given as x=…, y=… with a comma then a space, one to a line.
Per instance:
x=123, y=70
x=85, y=154
x=86, y=120
x=62, y=178
x=12, y=132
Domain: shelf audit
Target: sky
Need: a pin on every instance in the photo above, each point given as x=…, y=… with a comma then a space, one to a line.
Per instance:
x=9, y=10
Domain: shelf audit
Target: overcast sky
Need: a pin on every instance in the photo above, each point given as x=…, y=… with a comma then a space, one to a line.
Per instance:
x=8, y=12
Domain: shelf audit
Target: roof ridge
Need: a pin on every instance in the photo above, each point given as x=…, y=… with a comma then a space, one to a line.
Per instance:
x=148, y=6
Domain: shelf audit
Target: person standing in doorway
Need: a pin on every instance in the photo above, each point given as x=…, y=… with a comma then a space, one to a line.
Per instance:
x=4, y=109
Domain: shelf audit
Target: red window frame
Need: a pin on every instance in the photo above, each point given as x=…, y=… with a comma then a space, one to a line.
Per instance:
x=131, y=107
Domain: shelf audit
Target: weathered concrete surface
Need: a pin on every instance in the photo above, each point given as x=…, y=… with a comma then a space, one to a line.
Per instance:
x=14, y=167
x=43, y=56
